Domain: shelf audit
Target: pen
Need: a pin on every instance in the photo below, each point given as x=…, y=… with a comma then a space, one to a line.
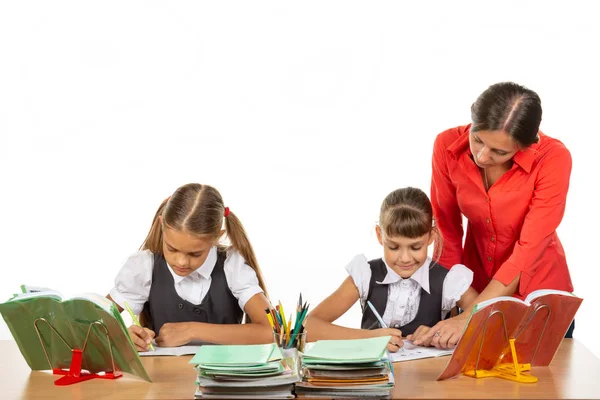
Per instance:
x=383, y=324
x=135, y=320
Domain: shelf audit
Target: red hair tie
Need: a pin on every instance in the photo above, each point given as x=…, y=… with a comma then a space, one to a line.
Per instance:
x=226, y=213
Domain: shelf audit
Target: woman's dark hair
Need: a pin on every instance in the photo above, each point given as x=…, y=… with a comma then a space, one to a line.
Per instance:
x=511, y=108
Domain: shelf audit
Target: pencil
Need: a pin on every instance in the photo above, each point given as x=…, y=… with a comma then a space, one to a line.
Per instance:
x=270, y=319
x=135, y=320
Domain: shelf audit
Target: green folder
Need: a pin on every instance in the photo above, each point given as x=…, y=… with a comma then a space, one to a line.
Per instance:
x=237, y=355
x=347, y=351
x=71, y=319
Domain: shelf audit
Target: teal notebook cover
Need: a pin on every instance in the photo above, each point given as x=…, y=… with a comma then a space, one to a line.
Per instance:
x=237, y=355
x=353, y=350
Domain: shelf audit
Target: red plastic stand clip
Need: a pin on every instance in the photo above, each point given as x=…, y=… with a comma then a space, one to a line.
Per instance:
x=74, y=374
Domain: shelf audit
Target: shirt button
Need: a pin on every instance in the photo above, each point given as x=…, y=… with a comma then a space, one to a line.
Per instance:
x=396, y=326
x=197, y=310
x=487, y=220
x=493, y=239
x=489, y=258
x=180, y=306
x=487, y=199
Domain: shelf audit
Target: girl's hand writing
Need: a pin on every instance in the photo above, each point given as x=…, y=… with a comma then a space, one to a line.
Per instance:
x=141, y=337
x=173, y=334
x=395, y=342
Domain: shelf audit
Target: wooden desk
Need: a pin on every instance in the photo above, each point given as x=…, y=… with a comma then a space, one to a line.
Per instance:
x=574, y=373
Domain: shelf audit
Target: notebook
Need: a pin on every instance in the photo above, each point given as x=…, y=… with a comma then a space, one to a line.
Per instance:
x=237, y=355
x=347, y=351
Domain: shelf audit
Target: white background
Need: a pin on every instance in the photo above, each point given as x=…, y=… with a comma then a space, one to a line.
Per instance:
x=303, y=115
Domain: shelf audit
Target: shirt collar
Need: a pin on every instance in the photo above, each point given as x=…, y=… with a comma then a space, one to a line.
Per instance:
x=523, y=158
x=526, y=157
x=205, y=269
x=461, y=144
x=421, y=276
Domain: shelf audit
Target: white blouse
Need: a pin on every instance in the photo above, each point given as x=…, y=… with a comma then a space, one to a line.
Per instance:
x=404, y=295
x=133, y=281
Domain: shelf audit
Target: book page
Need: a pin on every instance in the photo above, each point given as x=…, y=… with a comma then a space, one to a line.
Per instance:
x=486, y=303
x=543, y=292
x=30, y=295
x=95, y=298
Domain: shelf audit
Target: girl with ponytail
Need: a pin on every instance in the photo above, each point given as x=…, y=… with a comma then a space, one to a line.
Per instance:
x=188, y=287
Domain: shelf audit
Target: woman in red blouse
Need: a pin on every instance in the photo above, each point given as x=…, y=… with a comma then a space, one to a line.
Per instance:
x=510, y=181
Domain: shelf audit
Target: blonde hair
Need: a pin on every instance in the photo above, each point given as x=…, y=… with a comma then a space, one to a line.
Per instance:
x=199, y=210
x=408, y=212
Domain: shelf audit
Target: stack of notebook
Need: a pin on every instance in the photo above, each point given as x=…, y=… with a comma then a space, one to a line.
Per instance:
x=245, y=372
x=347, y=368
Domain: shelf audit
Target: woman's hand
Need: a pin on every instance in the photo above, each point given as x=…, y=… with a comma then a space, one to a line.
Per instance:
x=443, y=335
x=173, y=334
x=141, y=337
x=418, y=334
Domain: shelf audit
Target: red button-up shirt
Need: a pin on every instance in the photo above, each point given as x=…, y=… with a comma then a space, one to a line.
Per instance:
x=511, y=228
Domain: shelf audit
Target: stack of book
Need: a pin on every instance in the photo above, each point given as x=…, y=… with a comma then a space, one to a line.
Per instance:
x=347, y=368
x=245, y=372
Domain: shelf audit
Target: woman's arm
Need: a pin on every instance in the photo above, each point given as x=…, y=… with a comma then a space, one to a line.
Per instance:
x=446, y=211
x=319, y=322
x=467, y=300
x=257, y=332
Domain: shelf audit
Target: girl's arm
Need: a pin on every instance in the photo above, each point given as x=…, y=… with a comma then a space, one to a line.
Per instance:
x=319, y=322
x=256, y=332
x=116, y=304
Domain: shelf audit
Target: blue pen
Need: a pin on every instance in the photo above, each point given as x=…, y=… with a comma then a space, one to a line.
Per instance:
x=383, y=324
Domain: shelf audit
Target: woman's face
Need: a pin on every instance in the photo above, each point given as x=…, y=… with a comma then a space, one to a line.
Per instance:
x=491, y=148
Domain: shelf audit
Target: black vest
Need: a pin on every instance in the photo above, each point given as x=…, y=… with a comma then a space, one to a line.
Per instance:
x=430, y=306
x=219, y=306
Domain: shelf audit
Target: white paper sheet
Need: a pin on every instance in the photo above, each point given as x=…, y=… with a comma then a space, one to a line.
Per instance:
x=413, y=352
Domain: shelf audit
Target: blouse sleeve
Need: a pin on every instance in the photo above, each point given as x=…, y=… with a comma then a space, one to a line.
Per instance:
x=241, y=278
x=360, y=271
x=456, y=283
x=132, y=284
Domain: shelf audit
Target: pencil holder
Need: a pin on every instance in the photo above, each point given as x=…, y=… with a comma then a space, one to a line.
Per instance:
x=293, y=341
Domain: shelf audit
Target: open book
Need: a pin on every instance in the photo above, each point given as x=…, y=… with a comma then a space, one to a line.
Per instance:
x=538, y=324
x=63, y=324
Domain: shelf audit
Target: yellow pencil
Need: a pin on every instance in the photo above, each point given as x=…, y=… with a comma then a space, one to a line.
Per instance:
x=135, y=320
x=270, y=319
x=282, y=316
